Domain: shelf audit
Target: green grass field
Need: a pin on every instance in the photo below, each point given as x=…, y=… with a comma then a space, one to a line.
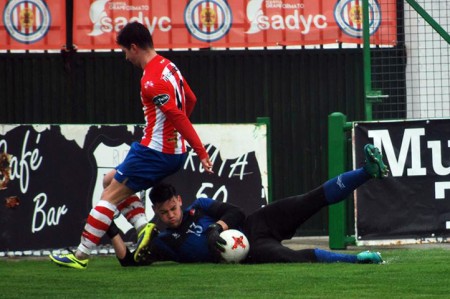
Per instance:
x=408, y=273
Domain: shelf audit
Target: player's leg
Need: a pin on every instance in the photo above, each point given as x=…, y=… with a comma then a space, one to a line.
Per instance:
x=268, y=250
x=342, y=186
x=144, y=167
x=374, y=164
x=98, y=222
x=132, y=208
x=365, y=257
x=107, y=178
x=283, y=217
x=271, y=251
x=280, y=219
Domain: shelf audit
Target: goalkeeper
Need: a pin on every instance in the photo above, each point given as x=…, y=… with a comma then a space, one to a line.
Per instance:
x=193, y=234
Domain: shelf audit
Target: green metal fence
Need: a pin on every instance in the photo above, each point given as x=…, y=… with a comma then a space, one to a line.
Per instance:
x=413, y=80
x=410, y=79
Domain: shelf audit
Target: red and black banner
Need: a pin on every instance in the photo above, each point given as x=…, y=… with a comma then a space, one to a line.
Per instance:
x=234, y=23
x=174, y=24
x=413, y=203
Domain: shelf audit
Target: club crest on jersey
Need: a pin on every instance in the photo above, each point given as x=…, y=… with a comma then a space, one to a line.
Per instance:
x=26, y=21
x=208, y=20
x=161, y=99
x=349, y=16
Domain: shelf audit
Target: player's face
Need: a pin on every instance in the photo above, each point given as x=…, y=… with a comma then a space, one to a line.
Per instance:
x=170, y=211
x=131, y=54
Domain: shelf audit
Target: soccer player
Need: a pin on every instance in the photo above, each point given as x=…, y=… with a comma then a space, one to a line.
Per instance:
x=167, y=103
x=193, y=234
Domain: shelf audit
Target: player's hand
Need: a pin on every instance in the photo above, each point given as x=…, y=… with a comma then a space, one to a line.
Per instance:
x=215, y=242
x=207, y=165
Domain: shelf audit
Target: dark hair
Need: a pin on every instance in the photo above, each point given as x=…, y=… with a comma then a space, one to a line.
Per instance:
x=135, y=33
x=162, y=192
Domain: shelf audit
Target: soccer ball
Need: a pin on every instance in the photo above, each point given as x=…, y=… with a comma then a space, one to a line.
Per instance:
x=237, y=246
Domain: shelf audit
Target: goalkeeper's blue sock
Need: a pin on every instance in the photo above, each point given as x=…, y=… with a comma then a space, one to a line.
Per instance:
x=342, y=186
x=324, y=256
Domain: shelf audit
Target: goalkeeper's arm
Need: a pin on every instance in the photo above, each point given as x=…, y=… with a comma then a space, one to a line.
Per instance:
x=123, y=253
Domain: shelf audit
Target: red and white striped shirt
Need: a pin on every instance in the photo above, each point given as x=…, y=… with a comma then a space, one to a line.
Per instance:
x=168, y=101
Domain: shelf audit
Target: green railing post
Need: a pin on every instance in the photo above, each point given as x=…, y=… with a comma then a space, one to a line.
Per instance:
x=367, y=62
x=371, y=96
x=337, y=144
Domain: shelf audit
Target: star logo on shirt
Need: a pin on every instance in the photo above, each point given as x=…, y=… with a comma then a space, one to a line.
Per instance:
x=148, y=84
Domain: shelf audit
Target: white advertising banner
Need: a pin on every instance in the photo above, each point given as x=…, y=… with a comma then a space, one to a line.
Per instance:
x=51, y=176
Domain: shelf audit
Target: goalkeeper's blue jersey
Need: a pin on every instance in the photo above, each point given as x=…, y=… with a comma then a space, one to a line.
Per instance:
x=188, y=243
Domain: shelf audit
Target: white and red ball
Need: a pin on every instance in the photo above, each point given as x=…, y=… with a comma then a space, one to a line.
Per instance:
x=237, y=246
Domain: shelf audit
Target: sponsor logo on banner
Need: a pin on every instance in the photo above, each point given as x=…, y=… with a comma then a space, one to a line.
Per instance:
x=282, y=15
x=208, y=20
x=27, y=21
x=412, y=205
x=101, y=14
x=349, y=16
x=233, y=23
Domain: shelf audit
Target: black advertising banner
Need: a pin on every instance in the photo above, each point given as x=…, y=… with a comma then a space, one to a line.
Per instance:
x=412, y=205
x=51, y=176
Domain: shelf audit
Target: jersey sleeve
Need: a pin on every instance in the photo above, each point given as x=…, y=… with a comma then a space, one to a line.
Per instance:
x=191, y=99
x=166, y=101
x=232, y=215
x=183, y=125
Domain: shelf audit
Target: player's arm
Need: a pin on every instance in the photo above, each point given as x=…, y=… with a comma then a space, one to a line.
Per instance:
x=190, y=98
x=228, y=215
x=165, y=100
x=182, y=124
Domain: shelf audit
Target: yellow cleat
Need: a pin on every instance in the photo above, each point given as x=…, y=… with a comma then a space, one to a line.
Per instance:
x=69, y=260
x=144, y=238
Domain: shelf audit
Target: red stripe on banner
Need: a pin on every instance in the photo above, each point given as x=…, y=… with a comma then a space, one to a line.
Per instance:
x=216, y=11
x=219, y=18
x=21, y=20
x=359, y=17
x=349, y=14
x=36, y=22
x=208, y=17
x=195, y=24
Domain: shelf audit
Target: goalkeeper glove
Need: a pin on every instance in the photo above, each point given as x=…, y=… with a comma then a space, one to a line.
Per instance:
x=215, y=242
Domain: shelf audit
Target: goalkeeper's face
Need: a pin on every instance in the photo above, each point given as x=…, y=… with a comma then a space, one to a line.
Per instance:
x=170, y=211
